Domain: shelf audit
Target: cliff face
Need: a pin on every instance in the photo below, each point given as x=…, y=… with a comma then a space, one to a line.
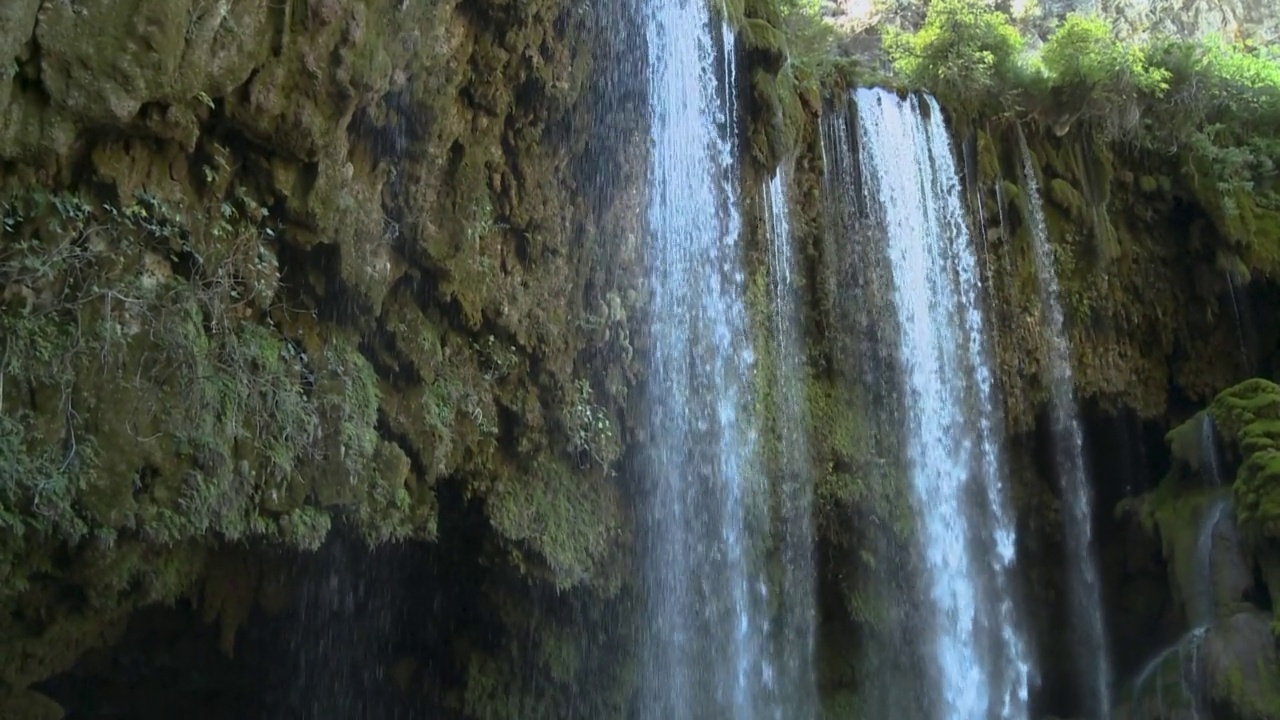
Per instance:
x=274, y=272
x=267, y=267
x=1237, y=19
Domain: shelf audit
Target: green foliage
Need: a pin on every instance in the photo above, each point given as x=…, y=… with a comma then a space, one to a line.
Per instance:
x=810, y=39
x=133, y=394
x=967, y=52
x=589, y=427
x=1083, y=52
x=1089, y=67
x=305, y=527
x=573, y=521
x=1222, y=111
x=1212, y=105
x=39, y=485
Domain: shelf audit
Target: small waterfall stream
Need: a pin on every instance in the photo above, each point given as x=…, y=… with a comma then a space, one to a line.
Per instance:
x=1175, y=677
x=705, y=514
x=796, y=685
x=1085, y=602
x=980, y=667
x=1173, y=682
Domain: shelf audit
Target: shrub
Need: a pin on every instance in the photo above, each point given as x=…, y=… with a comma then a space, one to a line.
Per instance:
x=966, y=53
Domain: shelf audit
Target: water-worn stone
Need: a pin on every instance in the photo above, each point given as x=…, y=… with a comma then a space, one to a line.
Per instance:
x=1243, y=668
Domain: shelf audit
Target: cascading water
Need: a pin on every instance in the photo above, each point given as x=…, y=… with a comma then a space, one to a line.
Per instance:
x=965, y=529
x=855, y=301
x=1171, y=681
x=1174, y=679
x=1209, y=461
x=796, y=685
x=1235, y=308
x=1084, y=587
x=704, y=628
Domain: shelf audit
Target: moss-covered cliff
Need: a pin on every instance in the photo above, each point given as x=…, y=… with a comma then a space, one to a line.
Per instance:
x=268, y=268
x=275, y=272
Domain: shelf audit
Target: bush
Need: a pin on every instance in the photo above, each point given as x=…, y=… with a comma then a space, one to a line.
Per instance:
x=1108, y=80
x=966, y=53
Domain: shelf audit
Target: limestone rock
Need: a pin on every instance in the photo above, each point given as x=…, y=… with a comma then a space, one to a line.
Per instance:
x=1243, y=669
x=1197, y=18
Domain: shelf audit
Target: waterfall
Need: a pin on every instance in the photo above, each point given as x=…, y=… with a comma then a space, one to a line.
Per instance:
x=855, y=300
x=980, y=667
x=1084, y=587
x=1235, y=307
x=704, y=514
x=1209, y=462
x=1179, y=665
x=1202, y=606
x=797, y=689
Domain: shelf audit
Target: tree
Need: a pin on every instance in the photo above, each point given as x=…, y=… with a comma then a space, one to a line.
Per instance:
x=966, y=52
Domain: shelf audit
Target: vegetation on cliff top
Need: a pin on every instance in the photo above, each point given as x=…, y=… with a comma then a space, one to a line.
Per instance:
x=1212, y=103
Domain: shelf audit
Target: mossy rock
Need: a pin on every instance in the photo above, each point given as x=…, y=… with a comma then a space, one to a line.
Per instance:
x=1243, y=668
x=1248, y=416
x=766, y=44
x=1187, y=443
x=29, y=705
x=572, y=520
x=1067, y=198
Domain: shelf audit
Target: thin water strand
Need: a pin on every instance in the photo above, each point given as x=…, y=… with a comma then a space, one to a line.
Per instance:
x=797, y=687
x=1202, y=606
x=1235, y=307
x=1085, y=590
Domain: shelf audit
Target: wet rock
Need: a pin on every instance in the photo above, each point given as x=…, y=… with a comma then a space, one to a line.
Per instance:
x=1243, y=669
x=29, y=705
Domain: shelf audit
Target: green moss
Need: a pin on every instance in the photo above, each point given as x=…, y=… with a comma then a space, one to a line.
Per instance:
x=1177, y=508
x=776, y=118
x=1186, y=441
x=1066, y=197
x=766, y=43
x=1248, y=416
x=392, y=502
x=305, y=527
x=572, y=520
x=347, y=396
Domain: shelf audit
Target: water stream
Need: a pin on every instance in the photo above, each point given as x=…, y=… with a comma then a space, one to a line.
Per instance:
x=796, y=685
x=704, y=625
x=1235, y=308
x=1085, y=592
x=979, y=665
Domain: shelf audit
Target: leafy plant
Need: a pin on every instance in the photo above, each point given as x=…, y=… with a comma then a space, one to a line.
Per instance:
x=967, y=52
x=1089, y=67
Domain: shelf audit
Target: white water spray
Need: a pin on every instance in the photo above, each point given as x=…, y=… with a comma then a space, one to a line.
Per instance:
x=966, y=530
x=1085, y=603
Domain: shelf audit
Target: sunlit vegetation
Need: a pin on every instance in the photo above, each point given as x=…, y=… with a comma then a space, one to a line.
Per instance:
x=1212, y=104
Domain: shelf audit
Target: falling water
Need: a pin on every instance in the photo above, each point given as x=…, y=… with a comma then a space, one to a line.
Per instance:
x=856, y=307
x=1171, y=681
x=1209, y=461
x=1085, y=602
x=703, y=644
x=797, y=688
x=953, y=445
x=1202, y=606
x=1235, y=307
x=1174, y=679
